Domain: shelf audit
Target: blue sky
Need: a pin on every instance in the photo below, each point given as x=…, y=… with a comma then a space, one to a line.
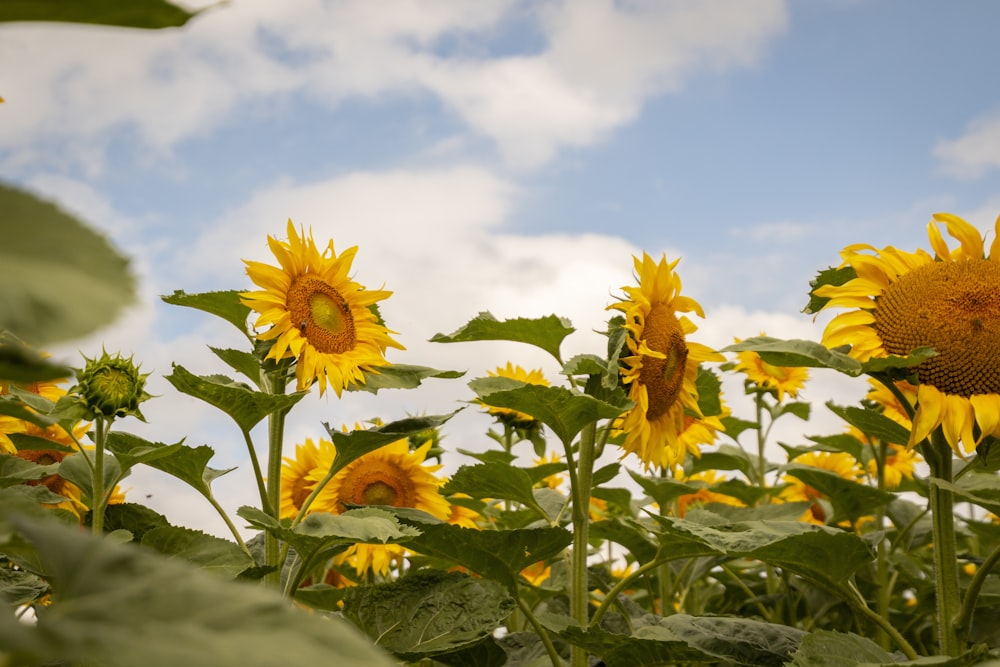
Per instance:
x=506, y=156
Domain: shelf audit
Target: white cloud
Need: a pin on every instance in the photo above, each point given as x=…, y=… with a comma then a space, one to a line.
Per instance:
x=599, y=63
x=973, y=153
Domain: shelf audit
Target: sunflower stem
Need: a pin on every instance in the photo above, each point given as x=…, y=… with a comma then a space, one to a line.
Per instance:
x=964, y=622
x=98, y=500
x=275, y=384
x=580, y=482
x=942, y=504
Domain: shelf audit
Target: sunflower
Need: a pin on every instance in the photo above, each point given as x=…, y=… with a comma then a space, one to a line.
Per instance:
x=780, y=379
x=299, y=475
x=901, y=301
x=705, y=495
x=508, y=415
x=51, y=391
x=841, y=464
x=317, y=313
x=663, y=365
x=391, y=475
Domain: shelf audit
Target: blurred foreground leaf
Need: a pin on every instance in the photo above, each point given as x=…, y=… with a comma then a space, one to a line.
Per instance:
x=131, y=14
x=60, y=280
x=121, y=606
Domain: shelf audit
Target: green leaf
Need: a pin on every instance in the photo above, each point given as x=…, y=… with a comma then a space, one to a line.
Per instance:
x=132, y=450
x=246, y=406
x=663, y=490
x=872, y=423
x=709, y=392
x=629, y=533
x=978, y=488
x=244, y=363
x=76, y=469
x=225, y=304
x=85, y=282
x=135, y=518
x=132, y=14
x=558, y=408
x=352, y=446
x=841, y=442
x=820, y=553
x=367, y=524
x=206, y=551
x=800, y=410
x=495, y=480
x=828, y=276
x=427, y=613
x=188, y=464
x=121, y=606
x=797, y=353
x=825, y=648
x=544, y=332
x=400, y=376
x=584, y=364
x=18, y=587
x=743, y=641
x=19, y=363
x=11, y=406
x=850, y=500
x=495, y=554
x=726, y=457
x=15, y=470
x=892, y=362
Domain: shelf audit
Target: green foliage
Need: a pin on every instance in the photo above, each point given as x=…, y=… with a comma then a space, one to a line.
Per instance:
x=544, y=332
x=61, y=280
x=829, y=276
x=400, y=376
x=495, y=480
x=133, y=14
x=797, y=353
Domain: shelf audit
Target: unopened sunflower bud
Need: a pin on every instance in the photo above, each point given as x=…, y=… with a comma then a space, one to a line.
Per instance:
x=112, y=386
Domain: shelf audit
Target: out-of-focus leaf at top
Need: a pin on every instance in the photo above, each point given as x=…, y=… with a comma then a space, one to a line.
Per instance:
x=131, y=14
x=60, y=280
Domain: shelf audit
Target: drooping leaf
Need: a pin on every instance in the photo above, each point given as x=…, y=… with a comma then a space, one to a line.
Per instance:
x=121, y=606
x=558, y=408
x=150, y=14
x=131, y=450
x=426, y=613
x=850, y=500
x=797, y=353
x=494, y=480
x=872, y=423
x=206, y=551
x=246, y=406
x=86, y=281
x=544, y=332
x=225, y=304
x=188, y=464
x=400, y=376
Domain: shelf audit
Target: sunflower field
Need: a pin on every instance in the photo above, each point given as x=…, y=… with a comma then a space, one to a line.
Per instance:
x=618, y=514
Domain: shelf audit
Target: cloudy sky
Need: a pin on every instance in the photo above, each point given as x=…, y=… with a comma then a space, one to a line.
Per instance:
x=508, y=156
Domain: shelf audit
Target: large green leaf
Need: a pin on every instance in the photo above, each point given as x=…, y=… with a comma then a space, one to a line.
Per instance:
x=188, y=464
x=246, y=406
x=206, y=551
x=797, y=353
x=871, y=423
x=563, y=411
x=495, y=480
x=59, y=279
x=850, y=500
x=629, y=533
x=544, y=332
x=225, y=304
x=19, y=363
x=131, y=14
x=121, y=606
x=825, y=648
x=76, y=469
x=15, y=470
x=427, y=613
x=18, y=587
x=828, y=276
x=355, y=444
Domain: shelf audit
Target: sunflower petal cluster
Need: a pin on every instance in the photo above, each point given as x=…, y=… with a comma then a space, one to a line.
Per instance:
x=899, y=301
x=316, y=314
x=780, y=379
x=661, y=368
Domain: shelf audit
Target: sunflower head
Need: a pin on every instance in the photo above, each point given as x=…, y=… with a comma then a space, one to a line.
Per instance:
x=900, y=301
x=509, y=416
x=111, y=386
x=313, y=312
x=841, y=464
x=780, y=380
x=661, y=367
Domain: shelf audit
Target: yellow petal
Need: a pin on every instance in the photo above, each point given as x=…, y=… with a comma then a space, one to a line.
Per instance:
x=937, y=242
x=995, y=246
x=966, y=234
x=987, y=409
x=930, y=405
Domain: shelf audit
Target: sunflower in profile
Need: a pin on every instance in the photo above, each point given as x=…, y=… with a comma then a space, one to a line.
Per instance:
x=317, y=314
x=662, y=367
x=780, y=379
x=900, y=301
x=507, y=415
x=391, y=475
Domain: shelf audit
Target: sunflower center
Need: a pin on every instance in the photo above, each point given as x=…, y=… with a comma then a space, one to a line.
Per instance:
x=377, y=483
x=663, y=378
x=953, y=307
x=322, y=315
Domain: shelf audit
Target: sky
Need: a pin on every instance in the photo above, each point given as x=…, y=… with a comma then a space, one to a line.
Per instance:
x=509, y=156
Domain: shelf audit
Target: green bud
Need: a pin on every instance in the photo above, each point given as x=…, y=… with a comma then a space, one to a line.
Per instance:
x=112, y=386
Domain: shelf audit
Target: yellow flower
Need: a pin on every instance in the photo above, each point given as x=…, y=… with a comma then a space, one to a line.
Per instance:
x=299, y=475
x=900, y=301
x=782, y=379
x=663, y=365
x=840, y=463
x=317, y=313
x=891, y=407
x=513, y=372
x=555, y=480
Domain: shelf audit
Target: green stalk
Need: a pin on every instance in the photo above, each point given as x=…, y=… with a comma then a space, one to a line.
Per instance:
x=543, y=635
x=942, y=503
x=274, y=384
x=580, y=482
x=101, y=428
x=964, y=622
